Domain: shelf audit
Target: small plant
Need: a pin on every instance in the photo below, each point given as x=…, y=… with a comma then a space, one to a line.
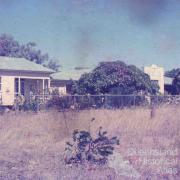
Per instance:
x=33, y=104
x=84, y=148
x=60, y=102
x=19, y=102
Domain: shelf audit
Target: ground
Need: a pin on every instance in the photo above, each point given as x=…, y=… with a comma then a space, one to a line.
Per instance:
x=32, y=144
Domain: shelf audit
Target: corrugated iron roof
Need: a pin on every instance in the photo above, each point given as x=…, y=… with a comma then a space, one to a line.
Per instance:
x=21, y=64
x=69, y=74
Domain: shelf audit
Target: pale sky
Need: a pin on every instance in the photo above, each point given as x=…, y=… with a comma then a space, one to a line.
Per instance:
x=85, y=32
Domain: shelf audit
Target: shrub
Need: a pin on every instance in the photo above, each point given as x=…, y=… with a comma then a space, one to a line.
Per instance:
x=60, y=102
x=176, y=84
x=35, y=104
x=85, y=148
x=19, y=102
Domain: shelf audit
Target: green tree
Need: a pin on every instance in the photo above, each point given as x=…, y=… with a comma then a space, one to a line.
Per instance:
x=172, y=73
x=115, y=78
x=176, y=84
x=12, y=48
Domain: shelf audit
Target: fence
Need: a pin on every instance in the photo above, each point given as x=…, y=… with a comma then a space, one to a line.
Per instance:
x=111, y=101
x=80, y=102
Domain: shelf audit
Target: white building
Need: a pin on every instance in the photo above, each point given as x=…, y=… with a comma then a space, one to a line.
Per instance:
x=156, y=74
x=60, y=80
x=21, y=76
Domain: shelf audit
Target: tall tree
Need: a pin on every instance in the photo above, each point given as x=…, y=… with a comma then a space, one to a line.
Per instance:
x=172, y=73
x=115, y=78
x=9, y=46
x=176, y=84
x=12, y=48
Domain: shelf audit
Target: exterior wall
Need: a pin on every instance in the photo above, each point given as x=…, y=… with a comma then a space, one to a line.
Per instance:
x=157, y=74
x=8, y=84
x=7, y=90
x=59, y=85
x=62, y=90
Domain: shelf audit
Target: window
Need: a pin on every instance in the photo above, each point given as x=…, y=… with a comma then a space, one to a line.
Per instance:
x=17, y=86
x=22, y=87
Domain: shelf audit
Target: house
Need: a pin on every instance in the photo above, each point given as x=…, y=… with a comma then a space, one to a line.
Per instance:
x=60, y=80
x=156, y=74
x=21, y=76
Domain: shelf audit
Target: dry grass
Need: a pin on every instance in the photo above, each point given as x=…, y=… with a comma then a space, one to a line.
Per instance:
x=31, y=145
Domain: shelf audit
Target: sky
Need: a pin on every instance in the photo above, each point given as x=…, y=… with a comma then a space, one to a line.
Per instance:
x=85, y=32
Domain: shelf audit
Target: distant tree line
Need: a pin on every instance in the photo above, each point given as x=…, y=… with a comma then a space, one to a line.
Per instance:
x=12, y=48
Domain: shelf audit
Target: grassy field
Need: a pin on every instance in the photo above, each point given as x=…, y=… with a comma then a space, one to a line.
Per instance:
x=32, y=145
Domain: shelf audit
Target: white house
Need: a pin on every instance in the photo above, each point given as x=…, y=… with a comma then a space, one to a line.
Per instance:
x=21, y=76
x=59, y=80
x=156, y=74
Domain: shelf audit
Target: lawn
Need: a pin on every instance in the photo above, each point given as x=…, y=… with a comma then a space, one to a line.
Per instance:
x=32, y=144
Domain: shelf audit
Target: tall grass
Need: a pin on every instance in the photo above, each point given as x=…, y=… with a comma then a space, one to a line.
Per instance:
x=35, y=141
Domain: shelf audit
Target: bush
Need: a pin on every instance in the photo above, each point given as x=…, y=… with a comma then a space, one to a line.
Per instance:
x=176, y=85
x=35, y=104
x=60, y=102
x=86, y=149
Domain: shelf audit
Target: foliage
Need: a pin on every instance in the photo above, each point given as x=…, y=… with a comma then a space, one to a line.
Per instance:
x=60, y=102
x=52, y=64
x=115, y=78
x=19, y=102
x=12, y=48
x=173, y=73
x=75, y=102
x=32, y=105
x=176, y=84
x=86, y=149
x=71, y=86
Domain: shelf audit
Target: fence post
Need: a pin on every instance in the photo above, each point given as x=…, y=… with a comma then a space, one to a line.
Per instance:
x=157, y=101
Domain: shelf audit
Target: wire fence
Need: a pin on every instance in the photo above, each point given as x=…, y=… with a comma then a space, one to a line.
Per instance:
x=111, y=101
x=107, y=101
